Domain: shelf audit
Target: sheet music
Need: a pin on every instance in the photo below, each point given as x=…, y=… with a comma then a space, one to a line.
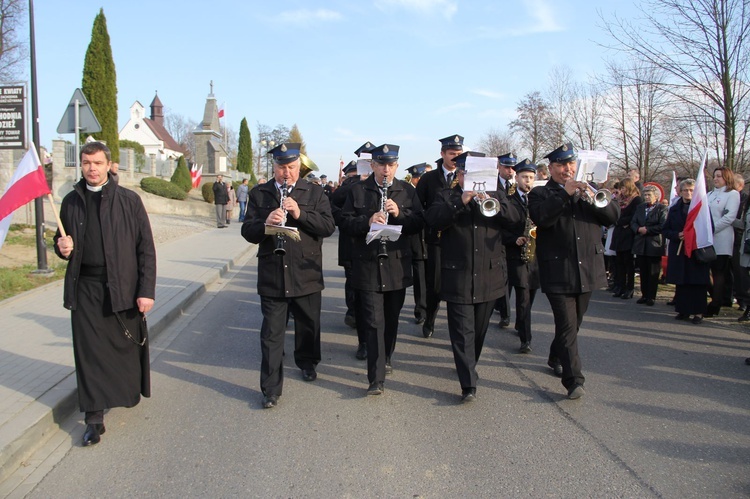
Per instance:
x=390, y=232
x=593, y=166
x=363, y=163
x=290, y=232
x=481, y=174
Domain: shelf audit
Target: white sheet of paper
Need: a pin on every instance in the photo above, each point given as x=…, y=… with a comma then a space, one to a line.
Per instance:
x=481, y=174
x=363, y=164
x=593, y=166
x=290, y=232
x=390, y=232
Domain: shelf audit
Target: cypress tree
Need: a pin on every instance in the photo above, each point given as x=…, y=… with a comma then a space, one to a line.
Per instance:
x=100, y=84
x=245, y=149
x=296, y=136
x=181, y=175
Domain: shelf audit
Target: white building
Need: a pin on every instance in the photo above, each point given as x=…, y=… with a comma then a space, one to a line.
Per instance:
x=150, y=132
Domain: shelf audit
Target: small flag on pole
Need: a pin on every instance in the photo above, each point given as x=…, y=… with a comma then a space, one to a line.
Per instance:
x=698, y=231
x=221, y=110
x=27, y=184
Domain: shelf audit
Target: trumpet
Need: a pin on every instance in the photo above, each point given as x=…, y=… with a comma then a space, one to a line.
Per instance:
x=280, y=250
x=383, y=251
x=598, y=197
x=488, y=206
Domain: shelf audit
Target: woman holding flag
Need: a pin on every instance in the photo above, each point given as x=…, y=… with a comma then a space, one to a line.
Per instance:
x=690, y=277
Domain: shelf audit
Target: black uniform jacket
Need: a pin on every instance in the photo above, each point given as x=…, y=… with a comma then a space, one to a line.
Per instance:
x=569, y=246
x=473, y=267
x=371, y=273
x=128, y=244
x=300, y=271
x=428, y=188
x=651, y=243
x=338, y=198
x=520, y=273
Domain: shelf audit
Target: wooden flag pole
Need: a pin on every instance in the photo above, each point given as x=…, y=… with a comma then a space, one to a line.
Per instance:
x=57, y=215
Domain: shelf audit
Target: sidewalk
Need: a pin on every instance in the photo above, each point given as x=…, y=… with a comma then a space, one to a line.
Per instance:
x=37, y=374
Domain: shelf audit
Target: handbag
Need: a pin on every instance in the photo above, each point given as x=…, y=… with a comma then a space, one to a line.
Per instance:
x=705, y=255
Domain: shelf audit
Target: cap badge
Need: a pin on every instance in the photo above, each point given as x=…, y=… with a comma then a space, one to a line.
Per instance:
x=385, y=149
x=565, y=147
x=283, y=148
x=456, y=139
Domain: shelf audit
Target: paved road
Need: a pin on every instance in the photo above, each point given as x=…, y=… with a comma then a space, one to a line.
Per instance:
x=667, y=413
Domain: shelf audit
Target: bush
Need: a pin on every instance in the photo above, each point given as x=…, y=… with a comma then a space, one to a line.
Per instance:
x=207, y=190
x=162, y=188
x=181, y=176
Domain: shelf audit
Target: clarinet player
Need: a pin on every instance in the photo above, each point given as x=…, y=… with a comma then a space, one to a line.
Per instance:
x=381, y=270
x=290, y=272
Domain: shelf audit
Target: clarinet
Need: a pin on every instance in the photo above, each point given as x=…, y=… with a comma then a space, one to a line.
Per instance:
x=383, y=253
x=279, y=250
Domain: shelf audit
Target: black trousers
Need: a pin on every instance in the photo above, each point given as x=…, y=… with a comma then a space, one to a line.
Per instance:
x=419, y=289
x=568, y=311
x=502, y=304
x=467, y=326
x=306, y=310
x=352, y=310
x=524, y=302
x=432, y=280
x=625, y=270
x=380, y=313
x=650, y=267
x=719, y=274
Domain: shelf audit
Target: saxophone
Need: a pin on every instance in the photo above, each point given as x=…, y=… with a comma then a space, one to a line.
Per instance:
x=528, y=250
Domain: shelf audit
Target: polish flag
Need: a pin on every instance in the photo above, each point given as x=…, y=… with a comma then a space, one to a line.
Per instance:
x=698, y=231
x=27, y=184
x=221, y=111
x=196, y=174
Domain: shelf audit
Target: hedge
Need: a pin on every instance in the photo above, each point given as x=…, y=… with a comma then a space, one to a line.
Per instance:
x=162, y=188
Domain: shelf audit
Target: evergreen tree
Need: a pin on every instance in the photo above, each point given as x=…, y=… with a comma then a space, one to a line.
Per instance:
x=245, y=149
x=100, y=84
x=181, y=176
x=296, y=136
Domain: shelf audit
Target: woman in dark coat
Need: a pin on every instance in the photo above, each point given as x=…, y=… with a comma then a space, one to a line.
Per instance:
x=622, y=240
x=690, y=276
x=648, y=244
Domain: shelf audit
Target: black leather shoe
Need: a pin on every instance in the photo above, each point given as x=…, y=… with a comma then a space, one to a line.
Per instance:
x=361, y=351
x=350, y=321
x=427, y=331
x=504, y=322
x=745, y=317
x=697, y=319
x=375, y=388
x=650, y=302
x=576, y=391
x=309, y=375
x=670, y=303
x=270, y=401
x=617, y=294
x=468, y=395
x=388, y=366
x=627, y=295
x=747, y=361
x=93, y=433
x=419, y=320
x=681, y=317
x=525, y=347
x=556, y=367
x=641, y=301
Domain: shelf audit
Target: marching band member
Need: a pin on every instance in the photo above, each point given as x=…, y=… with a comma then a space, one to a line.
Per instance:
x=570, y=256
x=381, y=270
x=293, y=280
x=473, y=273
x=523, y=272
x=418, y=255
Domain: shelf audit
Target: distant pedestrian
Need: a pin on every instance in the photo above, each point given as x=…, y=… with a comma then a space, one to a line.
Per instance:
x=221, y=198
x=109, y=287
x=242, y=191
x=232, y=202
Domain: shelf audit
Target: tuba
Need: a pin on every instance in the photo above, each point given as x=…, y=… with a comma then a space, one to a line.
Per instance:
x=279, y=250
x=383, y=251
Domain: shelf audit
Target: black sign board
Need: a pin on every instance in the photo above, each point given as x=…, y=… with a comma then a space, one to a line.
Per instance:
x=12, y=117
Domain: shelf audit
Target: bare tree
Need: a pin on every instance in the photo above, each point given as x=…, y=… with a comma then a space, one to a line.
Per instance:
x=13, y=51
x=532, y=124
x=181, y=130
x=559, y=95
x=703, y=46
x=496, y=142
x=587, y=118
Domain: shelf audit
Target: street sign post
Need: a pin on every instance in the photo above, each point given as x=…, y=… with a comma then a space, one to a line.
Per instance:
x=78, y=117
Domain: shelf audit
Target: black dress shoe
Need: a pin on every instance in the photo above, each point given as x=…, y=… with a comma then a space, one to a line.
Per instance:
x=747, y=361
x=525, y=347
x=504, y=322
x=427, y=331
x=576, y=391
x=270, y=401
x=617, y=294
x=93, y=433
x=626, y=295
x=745, y=317
x=419, y=320
x=468, y=395
x=650, y=302
x=556, y=367
x=697, y=319
x=375, y=388
x=682, y=317
x=361, y=351
x=641, y=300
x=309, y=375
x=671, y=303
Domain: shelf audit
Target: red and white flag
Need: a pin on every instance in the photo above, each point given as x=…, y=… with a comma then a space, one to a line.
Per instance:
x=195, y=174
x=674, y=193
x=27, y=184
x=221, y=110
x=698, y=231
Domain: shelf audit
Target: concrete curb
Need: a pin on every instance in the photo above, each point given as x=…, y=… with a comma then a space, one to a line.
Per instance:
x=36, y=423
